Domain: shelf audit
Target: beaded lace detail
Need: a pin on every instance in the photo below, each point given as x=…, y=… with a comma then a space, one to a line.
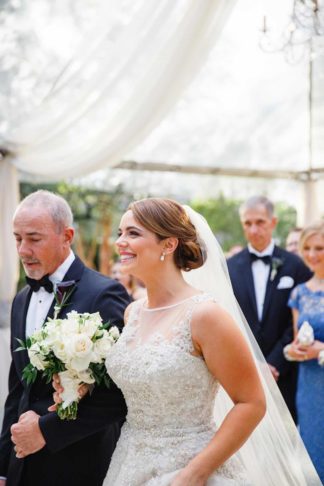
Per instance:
x=170, y=396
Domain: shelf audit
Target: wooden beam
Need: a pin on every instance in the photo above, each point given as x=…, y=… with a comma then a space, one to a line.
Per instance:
x=208, y=170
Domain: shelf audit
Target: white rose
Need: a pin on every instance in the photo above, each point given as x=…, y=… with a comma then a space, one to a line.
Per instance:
x=114, y=332
x=36, y=357
x=70, y=382
x=71, y=325
x=52, y=326
x=79, y=351
x=59, y=349
x=103, y=345
x=52, y=339
x=89, y=327
x=86, y=377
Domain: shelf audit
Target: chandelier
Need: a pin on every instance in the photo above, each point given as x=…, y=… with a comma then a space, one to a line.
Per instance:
x=303, y=32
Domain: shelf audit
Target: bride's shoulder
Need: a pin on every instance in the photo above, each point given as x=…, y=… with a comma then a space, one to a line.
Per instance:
x=208, y=314
x=132, y=309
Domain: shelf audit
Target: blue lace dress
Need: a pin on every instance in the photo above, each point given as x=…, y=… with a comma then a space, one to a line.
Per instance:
x=310, y=389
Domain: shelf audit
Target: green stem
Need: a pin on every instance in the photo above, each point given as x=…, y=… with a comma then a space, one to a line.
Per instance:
x=68, y=413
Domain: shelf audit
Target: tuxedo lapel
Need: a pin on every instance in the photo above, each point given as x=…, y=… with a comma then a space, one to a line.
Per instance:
x=271, y=285
x=74, y=273
x=247, y=280
x=20, y=327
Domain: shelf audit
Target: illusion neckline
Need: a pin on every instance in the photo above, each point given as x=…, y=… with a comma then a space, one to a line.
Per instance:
x=150, y=309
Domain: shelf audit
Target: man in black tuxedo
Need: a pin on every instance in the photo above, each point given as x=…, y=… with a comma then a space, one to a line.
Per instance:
x=263, y=276
x=36, y=447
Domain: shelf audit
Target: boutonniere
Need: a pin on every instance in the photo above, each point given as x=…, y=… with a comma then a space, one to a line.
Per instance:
x=276, y=263
x=62, y=293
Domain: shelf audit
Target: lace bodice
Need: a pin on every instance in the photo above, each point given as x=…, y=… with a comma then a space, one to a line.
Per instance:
x=169, y=392
x=146, y=365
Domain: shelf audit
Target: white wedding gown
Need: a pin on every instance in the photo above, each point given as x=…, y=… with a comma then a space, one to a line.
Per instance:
x=170, y=396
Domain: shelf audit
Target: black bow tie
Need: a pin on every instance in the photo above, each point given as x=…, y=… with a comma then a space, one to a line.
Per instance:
x=266, y=258
x=37, y=284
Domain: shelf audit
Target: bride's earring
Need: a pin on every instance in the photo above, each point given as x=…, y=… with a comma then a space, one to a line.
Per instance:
x=162, y=257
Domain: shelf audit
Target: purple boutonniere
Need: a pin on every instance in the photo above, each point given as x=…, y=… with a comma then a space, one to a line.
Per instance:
x=62, y=293
x=276, y=263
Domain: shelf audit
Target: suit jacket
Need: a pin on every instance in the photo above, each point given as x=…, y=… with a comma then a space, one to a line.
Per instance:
x=275, y=329
x=77, y=452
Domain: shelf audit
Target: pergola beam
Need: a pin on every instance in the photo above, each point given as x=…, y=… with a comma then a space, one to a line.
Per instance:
x=208, y=170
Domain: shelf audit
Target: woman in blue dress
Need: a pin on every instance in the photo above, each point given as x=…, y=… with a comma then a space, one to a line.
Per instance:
x=307, y=303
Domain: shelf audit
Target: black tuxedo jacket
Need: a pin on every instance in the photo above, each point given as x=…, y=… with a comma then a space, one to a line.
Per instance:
x=77, y=452
x=275, y=329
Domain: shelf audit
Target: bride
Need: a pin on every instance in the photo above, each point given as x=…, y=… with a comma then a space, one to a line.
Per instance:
x=176, y=347
x=186, y=361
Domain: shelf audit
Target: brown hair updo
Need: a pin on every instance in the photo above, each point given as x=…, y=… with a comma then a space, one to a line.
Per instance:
x=167, y=218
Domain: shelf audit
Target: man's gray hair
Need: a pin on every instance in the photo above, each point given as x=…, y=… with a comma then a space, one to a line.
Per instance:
x=255, y=201
x=54, y=204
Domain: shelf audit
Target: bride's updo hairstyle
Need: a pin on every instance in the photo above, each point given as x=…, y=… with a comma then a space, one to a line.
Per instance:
x=166, y=218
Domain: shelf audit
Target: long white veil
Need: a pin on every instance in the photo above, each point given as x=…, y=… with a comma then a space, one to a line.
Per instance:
x=274, y=455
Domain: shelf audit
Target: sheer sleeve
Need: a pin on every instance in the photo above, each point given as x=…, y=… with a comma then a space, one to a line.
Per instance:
x=293, y=301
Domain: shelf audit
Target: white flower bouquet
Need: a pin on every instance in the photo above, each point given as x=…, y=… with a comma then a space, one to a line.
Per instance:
x=76, y=348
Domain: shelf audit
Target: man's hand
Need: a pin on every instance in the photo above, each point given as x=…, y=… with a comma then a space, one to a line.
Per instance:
x=275, y=373
x=3, y=482
x=26, y=435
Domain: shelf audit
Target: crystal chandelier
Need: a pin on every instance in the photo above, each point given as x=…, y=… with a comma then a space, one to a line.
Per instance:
x=305, y=27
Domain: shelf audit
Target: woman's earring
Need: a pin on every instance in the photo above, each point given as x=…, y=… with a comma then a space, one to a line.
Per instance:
x=162, y=257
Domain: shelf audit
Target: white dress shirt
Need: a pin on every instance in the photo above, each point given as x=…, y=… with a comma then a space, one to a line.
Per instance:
x=41, y=300
x=260, y=272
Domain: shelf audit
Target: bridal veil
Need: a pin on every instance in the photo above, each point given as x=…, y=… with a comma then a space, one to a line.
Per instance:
x=274, y=455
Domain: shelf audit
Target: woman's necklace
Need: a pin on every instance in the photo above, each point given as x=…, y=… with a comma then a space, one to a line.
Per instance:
x=318, y=280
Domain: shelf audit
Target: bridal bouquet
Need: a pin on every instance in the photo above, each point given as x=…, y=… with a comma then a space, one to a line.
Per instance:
x=76, y=348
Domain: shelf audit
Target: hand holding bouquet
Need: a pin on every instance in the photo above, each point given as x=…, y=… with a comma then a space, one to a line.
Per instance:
x=75, y=348
x=297, y=351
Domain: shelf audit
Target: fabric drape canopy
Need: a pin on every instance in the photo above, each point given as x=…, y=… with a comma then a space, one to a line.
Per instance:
x=120, y=83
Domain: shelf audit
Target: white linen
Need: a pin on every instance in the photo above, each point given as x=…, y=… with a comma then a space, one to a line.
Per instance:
x=121, y=82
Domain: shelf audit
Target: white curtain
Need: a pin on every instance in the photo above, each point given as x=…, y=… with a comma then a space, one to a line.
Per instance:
x=8, y=258
x=8, y=266
x=123, y=79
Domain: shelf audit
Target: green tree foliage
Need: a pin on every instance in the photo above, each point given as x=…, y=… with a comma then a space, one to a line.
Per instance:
x=222, y=216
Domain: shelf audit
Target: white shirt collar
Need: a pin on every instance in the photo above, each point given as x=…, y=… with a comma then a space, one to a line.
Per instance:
x=60, y=272
x=267, y=251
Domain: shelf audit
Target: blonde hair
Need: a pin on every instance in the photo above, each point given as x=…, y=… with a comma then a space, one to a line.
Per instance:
x=308, y=231
x=167, y=218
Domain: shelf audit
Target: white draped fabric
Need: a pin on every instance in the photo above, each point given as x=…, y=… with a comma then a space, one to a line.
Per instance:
x=8, y=267
x=8, y=259
x=123, y=79
x=4, y=366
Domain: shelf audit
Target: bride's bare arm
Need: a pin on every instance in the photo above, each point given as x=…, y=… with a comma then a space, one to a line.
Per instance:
x=227, y=356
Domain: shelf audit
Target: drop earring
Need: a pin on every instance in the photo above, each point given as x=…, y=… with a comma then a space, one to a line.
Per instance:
x=162, y=257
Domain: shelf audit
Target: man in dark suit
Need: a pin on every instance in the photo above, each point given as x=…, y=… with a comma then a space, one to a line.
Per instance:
x=36, y=447
x=263, y=276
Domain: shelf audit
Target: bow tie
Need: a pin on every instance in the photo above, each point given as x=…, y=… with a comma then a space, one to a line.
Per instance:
x=266, y=258
x=37, y=284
